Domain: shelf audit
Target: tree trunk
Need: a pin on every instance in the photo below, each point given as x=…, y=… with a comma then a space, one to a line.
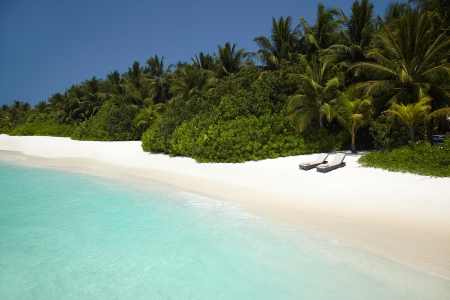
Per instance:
x=412, y=131
x=353, y=147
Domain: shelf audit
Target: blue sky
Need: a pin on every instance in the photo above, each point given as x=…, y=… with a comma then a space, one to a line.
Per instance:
x=48, y=45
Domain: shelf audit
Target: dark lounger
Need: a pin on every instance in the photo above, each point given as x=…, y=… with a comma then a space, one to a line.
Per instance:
x=313, y=164
x=337, y=162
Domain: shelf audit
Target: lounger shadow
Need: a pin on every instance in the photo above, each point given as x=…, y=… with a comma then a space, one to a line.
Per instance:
x=313, y=164
x=338, y=162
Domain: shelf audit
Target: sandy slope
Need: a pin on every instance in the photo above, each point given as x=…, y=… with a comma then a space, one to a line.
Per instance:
x=401, y=216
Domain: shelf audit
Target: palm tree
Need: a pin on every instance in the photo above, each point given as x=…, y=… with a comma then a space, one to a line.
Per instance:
x=42, y=106
x=283, y=41
x=351, y=111
x=12, y=114
x=202, y=61
x=230, y=60
x=133, y=75
x=408, y=63
x=320, y=84
x=358, y=36
x=68, y=107
x=441, y=7
x=157, y=79
x=149, y=114
x=326, y=29
x=92, y=98
x=115, y=83
x=21, y=106
x=189, y=81
x=360, y=25
x=415, y=113
x=393, y=11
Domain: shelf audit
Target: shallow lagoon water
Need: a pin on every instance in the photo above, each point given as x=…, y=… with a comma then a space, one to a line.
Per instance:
x=66, y=235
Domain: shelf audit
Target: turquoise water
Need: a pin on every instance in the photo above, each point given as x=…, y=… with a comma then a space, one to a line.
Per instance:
x=68, y=235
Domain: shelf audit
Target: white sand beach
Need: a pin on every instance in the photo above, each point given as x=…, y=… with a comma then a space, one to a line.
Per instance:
x=403, y=217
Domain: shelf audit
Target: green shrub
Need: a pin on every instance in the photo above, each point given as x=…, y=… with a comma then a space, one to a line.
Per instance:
x=61, y=130
x=153, y=139
x=113, y=122
x=241, y=119
x=388, y=133
x=423, y=159
x=244, y=139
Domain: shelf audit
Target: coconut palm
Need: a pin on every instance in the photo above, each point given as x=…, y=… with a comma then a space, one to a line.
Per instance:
x=393, y=11
x=358, y=36
x=320, y=83
x=230, y=60
x=21, y=106
x=441, y=7
x=149, y=114
x=351, y=111
x=115, y=83
x=326, y=30
x=10, y=116
x=189, y=81
x=133, y=75
x=283, y=41
x=42, y=106
x=416, y=113
x=68, y=107
x=408, y=63
x=157, y=79
x=360, y=25
x=92, y=98
x=202, y=61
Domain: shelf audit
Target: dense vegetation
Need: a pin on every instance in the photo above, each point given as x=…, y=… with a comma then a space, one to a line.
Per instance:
x=344, y=80
x=423, y=159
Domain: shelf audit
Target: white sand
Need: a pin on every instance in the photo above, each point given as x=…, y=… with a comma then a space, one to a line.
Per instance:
x=400, y=216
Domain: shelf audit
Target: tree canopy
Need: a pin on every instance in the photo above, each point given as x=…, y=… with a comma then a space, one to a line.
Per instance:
x=309, y=87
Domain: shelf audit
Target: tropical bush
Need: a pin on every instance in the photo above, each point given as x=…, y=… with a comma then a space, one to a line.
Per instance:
x=388, y=133
x=244, y=139
x=113, y=122
x=26, y=129
x=423, y=159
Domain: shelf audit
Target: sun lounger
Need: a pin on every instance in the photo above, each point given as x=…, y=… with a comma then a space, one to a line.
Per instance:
x=337, y=162
x=313, y=164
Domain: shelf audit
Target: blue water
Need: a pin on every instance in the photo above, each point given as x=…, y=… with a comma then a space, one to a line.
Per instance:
x=67, y=235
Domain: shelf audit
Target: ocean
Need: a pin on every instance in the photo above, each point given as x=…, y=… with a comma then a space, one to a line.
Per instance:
x=69, y=235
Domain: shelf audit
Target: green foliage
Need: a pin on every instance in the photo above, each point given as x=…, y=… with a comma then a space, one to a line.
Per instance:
x=113, y=122
x=283, y=43
x=224, y=108
x=423, y=159
x=242, y=139
x=388, y=133
x=157, y=137
x=320, y=83
x=28, y=129
x=243, y=118
x=34, y=122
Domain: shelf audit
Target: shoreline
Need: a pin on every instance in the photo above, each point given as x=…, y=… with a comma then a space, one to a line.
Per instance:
x=403, y=217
